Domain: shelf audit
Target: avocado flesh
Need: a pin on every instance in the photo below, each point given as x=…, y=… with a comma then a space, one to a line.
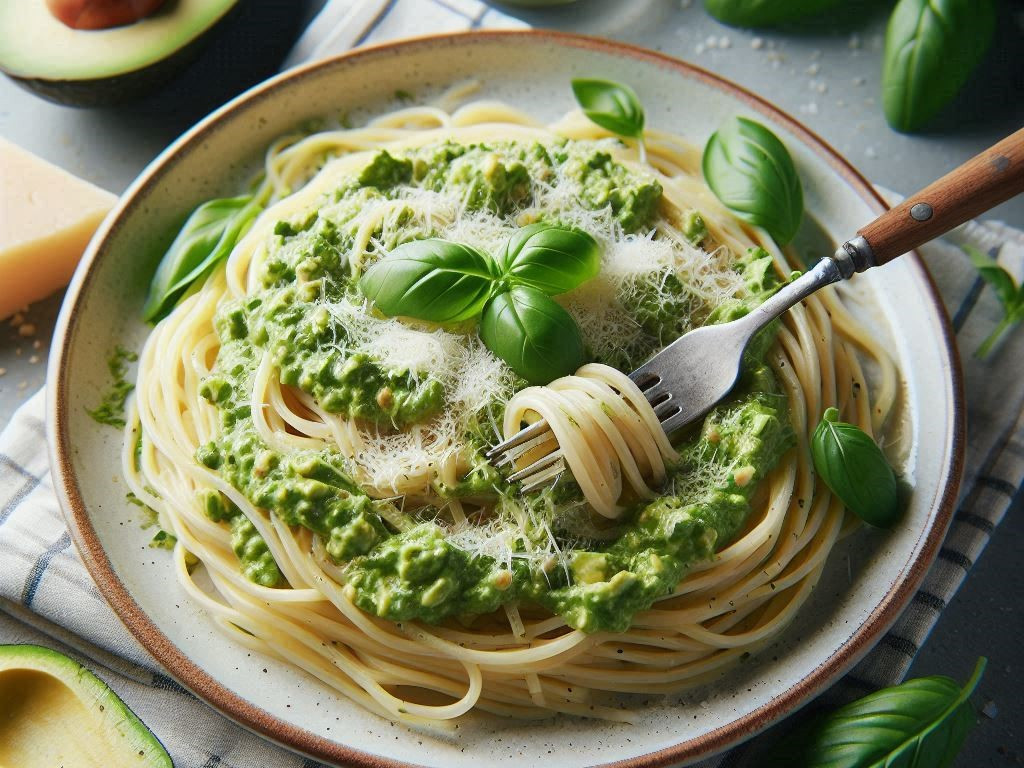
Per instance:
x=55, y=712
x=99, y=67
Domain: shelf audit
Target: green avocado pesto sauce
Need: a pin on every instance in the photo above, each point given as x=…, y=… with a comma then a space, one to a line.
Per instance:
x=401, y=563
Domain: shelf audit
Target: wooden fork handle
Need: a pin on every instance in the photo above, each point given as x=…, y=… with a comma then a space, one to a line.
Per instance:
x=984, y=181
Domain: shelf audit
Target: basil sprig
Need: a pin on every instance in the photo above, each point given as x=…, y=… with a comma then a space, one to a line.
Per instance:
x=206, y=237
x=1010, y=295
x=920, y=724
x=931, y=49
x=433, y=280
x=855, y=469
x=443, y=282
x=750, y=171
x=764, y=13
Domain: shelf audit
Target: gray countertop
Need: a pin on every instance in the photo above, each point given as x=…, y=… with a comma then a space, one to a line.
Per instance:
x=824, y=73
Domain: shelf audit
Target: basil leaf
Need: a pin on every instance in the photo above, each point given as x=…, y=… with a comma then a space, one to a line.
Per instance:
x=549, y=258
x=919, y=724
x=433, y=280
x=1001, y=281
x=613, y=106
x=855, y=469
x=764, y=13
x=749, y=170
x=207, y=236
x=931, y=48
x=532, y=333
x=1010, y=295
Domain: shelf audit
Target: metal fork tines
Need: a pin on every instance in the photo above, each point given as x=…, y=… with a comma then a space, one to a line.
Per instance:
x=692, y=374
x=682, y=382
x=530, y=441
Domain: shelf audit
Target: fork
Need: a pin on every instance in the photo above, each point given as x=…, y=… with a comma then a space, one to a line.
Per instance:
x=691, y=375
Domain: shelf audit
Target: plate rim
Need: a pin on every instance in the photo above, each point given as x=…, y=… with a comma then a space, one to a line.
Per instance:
x=260, y=721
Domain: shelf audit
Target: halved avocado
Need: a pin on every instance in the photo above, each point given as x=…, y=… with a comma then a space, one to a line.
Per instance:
x=90, y=68
x=53, y=711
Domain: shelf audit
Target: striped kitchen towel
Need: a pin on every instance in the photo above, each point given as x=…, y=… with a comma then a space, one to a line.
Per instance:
x=345, y=24
x=47, y=597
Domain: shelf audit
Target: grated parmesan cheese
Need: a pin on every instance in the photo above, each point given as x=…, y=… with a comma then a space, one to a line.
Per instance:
x=475, y=382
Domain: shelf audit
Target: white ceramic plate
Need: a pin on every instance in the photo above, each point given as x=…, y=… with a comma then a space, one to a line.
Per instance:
x=868, y=581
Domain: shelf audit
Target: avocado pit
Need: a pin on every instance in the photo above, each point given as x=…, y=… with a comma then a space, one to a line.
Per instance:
x=101, y=14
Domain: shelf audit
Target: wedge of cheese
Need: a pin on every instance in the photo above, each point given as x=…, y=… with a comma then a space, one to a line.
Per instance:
x=46, y=219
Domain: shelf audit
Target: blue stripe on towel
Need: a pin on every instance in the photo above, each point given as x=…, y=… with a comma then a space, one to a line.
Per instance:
x=457, y=11
x=19, y=496
x=165, y=683
x=376, y=23
x=30, y=484
x=997, y=484
x=39, y=568
x=967, y=304
x=933, y=601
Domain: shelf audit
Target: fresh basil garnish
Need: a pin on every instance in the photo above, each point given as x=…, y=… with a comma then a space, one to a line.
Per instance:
x=533, y=334
x=1010, y=295
x=549, y=258
x=764, y=13
x=750, y=171
x=919, y=724
x=931, y=48
x=855, y=469
x=433, y=280
x=613, y=106
x=206, y=237
x=442, y=282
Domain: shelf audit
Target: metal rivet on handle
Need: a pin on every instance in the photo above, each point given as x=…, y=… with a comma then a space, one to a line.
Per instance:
x=921, y=212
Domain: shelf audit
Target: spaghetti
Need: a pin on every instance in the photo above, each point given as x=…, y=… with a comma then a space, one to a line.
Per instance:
x=290, y=589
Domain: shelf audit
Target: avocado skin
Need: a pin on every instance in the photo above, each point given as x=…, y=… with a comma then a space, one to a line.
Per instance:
x=117, y=89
